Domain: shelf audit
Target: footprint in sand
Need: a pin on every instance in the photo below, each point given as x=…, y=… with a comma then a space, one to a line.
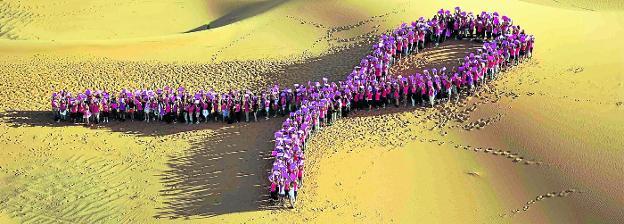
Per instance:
x=473, y=173
x=561, y=194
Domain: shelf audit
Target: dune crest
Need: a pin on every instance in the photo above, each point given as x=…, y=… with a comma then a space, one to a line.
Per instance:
x=549, y=126
x=116, y=19
x=586, y=5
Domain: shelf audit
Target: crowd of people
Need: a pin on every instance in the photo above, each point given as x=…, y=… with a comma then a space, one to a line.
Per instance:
x=172, y=105
x=370, y=84
x=312, y=105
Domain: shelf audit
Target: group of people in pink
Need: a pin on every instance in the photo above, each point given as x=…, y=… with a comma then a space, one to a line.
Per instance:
x=310, y=106
x=370, y=84
x=171, y=105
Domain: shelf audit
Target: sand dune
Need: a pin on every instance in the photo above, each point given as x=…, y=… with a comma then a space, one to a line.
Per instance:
x=241, y=13
x=540, y=145
x=98, y=20
x=594, y=5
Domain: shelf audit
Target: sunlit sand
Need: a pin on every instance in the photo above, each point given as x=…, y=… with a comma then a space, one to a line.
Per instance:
x=541, y=144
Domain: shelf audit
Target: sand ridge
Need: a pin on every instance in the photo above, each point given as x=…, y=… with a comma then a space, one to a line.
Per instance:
x=66, y=20
x=562, y=109
x=596, y=5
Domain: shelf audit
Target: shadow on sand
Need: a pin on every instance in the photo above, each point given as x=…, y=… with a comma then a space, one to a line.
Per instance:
x=333, y=66
x=226, y=172
x=18, y=119
x=239, y=14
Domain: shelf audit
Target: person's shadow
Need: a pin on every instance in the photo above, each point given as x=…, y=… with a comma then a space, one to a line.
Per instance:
x=223, y=173
x=226, y=172
x=18, y=119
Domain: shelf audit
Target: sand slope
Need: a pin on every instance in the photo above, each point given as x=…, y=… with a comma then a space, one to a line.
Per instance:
x=595, y=5
x=99, y=20
x=541, y=145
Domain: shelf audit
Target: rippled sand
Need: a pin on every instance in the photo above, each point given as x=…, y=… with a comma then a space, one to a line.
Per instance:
x=540, y=145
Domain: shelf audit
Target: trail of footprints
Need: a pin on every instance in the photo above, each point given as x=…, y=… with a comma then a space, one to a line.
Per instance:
x=529, y=79
x=32, y=210
x=337, y=44
x=235, y=41
x=394, y=130
x=303, y=21
x=460, y=113
x=102, y=73
x=481, y=122
x=514, y=157
x=539, y=198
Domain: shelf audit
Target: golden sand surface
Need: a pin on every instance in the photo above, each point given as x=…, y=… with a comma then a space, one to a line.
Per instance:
x=542, y=144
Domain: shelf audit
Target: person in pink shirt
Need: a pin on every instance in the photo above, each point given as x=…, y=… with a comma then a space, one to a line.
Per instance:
x=86, y=114
x=404, y=92
x=132, y=108
x=431, y=92
x=238, y=111
x=224, y=110
x=176, y=110
x=300, y=175
x=105, y=110
x=191, y=111
x=378, y=102
x=168, y=112
x=369, y=97
x=115, y=108
x=273, y=189
x=413, y=92
x=456, y=86
x=73, y=114
x=156, y=110
x=95, y=109
x=139, y=112
x=267, y=107
x=396, y=95
x=322, y=109
x=63, y=110
x=406, y=46
x=216, y=107
x=475, y=78
x=146, y=110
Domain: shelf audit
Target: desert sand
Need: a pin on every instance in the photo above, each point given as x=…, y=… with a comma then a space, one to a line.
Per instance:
x=543, y=144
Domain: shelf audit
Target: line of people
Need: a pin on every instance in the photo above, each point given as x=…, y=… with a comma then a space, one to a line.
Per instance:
x=370, y=84
x=171, y=105
x=312, y=105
